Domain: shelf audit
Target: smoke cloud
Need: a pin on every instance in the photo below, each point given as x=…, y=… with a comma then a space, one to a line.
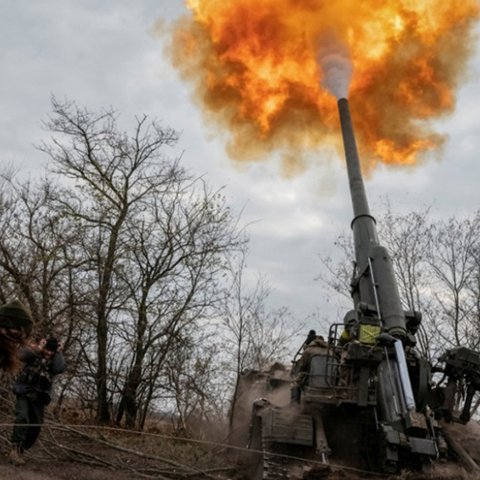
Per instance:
x=337, y=70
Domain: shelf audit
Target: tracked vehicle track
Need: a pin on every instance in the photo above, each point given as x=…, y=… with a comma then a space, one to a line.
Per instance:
x=278, y=463
x=275, y=466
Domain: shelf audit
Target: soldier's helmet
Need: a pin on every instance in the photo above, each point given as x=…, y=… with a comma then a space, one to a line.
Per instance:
x=15, y=315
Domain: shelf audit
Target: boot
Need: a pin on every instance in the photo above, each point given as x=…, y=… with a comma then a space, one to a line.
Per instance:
x=15, y=456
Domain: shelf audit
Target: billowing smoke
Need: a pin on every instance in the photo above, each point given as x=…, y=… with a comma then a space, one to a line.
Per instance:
x=337, y=70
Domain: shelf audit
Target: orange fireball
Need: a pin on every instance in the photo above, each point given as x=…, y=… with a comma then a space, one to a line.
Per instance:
x=259, y=69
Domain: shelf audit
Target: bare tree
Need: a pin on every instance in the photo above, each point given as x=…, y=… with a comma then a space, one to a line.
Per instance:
x=473, y=284
x=255, y=335
x=453, y=263
x=193, y=378
x=153, y=242
x=177, y=257
x=111, y=173
x=36, y=253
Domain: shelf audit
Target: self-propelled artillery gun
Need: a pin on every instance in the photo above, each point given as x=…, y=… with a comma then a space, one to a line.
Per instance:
x=361, y=397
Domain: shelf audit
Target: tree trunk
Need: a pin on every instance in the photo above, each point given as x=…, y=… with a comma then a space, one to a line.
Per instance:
x=103, y=413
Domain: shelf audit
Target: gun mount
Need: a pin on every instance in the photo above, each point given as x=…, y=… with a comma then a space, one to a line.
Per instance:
x=362, y=397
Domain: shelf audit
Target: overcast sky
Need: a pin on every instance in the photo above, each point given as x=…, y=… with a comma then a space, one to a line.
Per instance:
x=103, y=53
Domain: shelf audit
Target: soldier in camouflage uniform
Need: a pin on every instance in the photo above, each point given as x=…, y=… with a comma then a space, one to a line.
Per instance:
x=32, y=387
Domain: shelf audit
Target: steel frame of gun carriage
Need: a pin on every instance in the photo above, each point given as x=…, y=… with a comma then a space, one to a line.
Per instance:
x=362, y=397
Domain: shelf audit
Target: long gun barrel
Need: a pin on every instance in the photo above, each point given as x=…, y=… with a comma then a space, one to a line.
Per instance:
x=374, y=288
x=379, y=289
x=363, y=224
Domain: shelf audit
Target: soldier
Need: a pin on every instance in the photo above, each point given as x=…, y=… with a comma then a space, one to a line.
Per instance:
x=312, y=335
x=43, y=360
x=313, y=346
x=15, y=326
